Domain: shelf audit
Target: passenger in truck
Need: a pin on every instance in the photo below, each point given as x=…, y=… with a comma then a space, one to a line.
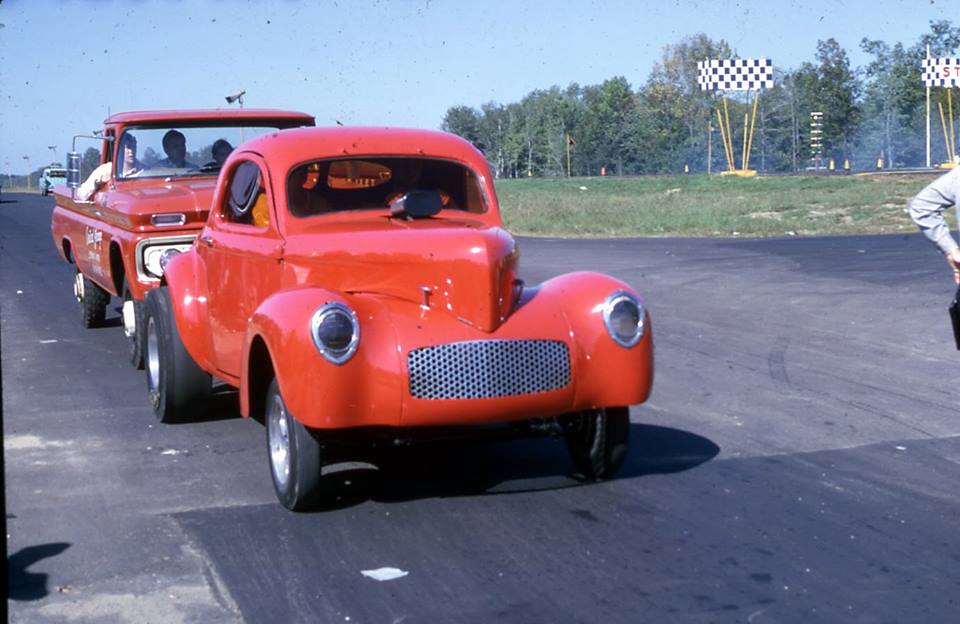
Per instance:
x=130, y=167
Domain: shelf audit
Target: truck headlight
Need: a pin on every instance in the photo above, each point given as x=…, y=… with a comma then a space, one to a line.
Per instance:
x=623, y=317
x=154, y=253
x=335, y=332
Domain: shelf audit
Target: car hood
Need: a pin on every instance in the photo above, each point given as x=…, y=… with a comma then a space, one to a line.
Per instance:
x=456, y=268
x=136, y=202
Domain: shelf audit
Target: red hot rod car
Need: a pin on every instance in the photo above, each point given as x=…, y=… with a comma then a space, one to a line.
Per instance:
x=152, y=201
x=360, y=279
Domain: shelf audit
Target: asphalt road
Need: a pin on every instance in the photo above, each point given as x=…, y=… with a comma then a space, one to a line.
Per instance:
x=799, y=461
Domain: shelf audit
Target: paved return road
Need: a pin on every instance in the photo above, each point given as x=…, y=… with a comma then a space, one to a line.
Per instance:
x=797, y=462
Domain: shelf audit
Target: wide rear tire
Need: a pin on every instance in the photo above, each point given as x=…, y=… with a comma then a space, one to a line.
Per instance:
x=598, y=440
x=93, y=301
x=295, y=455
x=178, y=389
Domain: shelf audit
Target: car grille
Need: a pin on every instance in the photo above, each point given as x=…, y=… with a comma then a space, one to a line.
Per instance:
x=485, y=369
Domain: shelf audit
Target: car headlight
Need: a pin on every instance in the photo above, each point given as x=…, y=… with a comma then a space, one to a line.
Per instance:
x=335, y=332
x=623, y=317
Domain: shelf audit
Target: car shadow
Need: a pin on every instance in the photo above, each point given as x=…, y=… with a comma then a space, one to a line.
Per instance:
x=465, y=467
x=25, y=585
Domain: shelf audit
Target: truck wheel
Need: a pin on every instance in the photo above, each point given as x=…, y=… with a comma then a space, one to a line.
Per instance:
x=93, y=301
x=133, y=320
x=177, y=387
x=295, y=454
x=598, y=440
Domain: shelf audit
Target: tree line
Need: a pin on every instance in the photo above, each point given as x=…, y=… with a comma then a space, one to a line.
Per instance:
x=869, y=113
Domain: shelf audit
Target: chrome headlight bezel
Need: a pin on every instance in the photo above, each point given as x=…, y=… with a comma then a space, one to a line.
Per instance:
x=335, y=356
x=610, y=304
x=149, y=250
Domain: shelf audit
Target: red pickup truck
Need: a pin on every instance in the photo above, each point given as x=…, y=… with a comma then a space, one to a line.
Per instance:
x=146, y=202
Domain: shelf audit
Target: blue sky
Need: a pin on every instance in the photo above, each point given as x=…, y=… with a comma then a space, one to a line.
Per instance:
x=63, y=65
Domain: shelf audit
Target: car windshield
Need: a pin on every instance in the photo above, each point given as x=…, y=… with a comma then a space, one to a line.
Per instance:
x=57, y=173
x=372, y=183
x=181, y=151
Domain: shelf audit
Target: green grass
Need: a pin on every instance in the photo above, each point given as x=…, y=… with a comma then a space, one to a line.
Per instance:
x=710, y=205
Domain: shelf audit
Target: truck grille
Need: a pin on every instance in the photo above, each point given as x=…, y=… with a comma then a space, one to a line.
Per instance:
x=485, y=369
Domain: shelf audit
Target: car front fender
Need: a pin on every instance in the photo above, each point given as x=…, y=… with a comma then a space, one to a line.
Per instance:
x=185, y=277
x=363, y=391
x=607, y=374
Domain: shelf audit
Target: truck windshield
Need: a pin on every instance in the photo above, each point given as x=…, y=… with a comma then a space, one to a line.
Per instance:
x=182, y=151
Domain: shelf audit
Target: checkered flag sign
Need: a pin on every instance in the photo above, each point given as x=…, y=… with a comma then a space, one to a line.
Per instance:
x=735, y=74
x=941, y=72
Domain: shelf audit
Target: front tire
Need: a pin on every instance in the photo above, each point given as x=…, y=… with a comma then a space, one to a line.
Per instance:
x=93, y=301
x=134, y=317
x=295, y=455
x=598, y=440
x=177, y=387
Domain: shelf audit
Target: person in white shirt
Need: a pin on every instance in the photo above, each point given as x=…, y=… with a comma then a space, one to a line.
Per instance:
x=101, y=175
x=926, y=210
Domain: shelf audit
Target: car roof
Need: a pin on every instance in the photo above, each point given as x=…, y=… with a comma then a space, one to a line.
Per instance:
x=285, y=148
x=152, y=116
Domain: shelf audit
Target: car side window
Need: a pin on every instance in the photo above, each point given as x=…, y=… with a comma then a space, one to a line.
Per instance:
x=247, y=198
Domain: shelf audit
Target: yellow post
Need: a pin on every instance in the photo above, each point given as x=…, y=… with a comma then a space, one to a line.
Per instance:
x=753, y=123
x=726, y=114
x=686, y=168
x=943, y=124
x=846, y=165
x=832, y=166
x=723, y=137
x=743, y=154
x=953, y=144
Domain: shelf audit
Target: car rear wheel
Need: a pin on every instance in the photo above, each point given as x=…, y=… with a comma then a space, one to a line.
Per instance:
x=598, y=440
x=93, y=301
x=177, y=387
x=133, y=320
x=295, y=454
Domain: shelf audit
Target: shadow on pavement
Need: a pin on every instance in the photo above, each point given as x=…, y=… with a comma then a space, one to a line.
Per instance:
x=465, y=467
x=26, y=585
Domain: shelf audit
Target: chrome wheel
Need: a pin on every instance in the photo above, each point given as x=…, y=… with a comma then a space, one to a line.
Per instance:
x=78, y=287
x=153, y=355
x=279, y=434
x=129, y=318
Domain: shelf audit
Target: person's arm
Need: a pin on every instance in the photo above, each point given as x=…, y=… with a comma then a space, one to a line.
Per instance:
x=926, y=210
x=97, y=178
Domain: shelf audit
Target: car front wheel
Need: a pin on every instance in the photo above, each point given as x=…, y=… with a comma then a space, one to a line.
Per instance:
x=598, y=440
x=295, y=454
x=177, y=387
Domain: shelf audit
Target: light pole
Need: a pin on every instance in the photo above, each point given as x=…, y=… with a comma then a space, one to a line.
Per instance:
x=27, y=158
x=53, y=148
x=236, y=97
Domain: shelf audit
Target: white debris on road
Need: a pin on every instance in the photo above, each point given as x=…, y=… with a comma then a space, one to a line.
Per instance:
x=384, y=574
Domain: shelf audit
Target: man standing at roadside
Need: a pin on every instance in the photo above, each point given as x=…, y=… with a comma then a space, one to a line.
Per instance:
x=926, y=210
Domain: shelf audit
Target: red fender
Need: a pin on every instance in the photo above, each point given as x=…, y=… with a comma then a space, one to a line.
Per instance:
x=365, y=390
x=186, y=279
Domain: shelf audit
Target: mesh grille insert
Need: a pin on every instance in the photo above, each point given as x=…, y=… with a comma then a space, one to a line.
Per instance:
x=485, y=369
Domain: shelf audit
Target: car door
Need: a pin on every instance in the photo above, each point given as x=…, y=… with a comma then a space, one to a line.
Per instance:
x=242, y=249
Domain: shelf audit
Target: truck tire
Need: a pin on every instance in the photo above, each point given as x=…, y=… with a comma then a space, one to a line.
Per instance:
x=133, y=316
x=178, y=389
x=294, y=454
x=93, y=301
x=598, y=440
